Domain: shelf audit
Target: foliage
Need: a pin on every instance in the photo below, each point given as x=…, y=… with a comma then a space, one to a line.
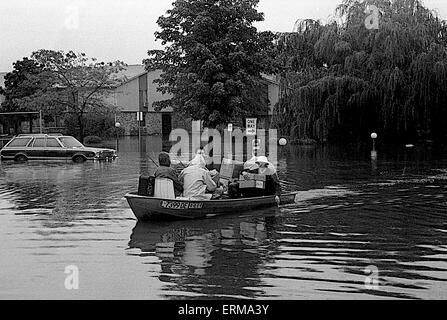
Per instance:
x=16, y=86
x=94, y=125
x=69, y=83
x=343, y=81
x=92, y=140
x=213, y=59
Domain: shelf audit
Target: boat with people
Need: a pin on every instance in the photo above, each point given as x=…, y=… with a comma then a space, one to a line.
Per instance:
x=152, y=208
x=198, y=192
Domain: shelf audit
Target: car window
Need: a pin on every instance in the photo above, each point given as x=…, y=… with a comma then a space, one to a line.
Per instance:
x=39, y=143
x=52, y=143
x=19, y=142
x=71, y=142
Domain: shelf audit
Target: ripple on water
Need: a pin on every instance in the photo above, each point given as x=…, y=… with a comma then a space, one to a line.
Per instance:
x=347, y=220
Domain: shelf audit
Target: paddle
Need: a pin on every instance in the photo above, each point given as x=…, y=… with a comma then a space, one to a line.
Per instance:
x=153, y=161
x=184, y=167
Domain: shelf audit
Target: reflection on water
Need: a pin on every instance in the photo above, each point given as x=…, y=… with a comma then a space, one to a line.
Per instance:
x=218, y=257
x=350, y=214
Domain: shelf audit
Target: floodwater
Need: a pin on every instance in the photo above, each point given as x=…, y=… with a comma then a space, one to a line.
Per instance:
x=360, y=230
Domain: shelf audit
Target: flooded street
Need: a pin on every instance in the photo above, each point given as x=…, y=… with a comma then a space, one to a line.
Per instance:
x=353, y=217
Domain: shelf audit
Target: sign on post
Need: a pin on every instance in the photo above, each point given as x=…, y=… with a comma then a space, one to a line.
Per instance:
x=230, y=127
x=250, y=124
x=139, y=116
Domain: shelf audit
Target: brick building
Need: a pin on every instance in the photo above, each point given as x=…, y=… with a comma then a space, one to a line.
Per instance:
x=139, y=92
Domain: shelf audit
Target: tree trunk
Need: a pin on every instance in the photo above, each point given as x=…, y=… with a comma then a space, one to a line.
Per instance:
x=16, y=125
x=81, y=128
x=30, y=123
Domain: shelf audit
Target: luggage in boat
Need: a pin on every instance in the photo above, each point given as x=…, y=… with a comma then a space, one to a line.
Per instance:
x=251, y=184
x=230, y=169
x=164, y=188
x=253, y=176
x=146, y=186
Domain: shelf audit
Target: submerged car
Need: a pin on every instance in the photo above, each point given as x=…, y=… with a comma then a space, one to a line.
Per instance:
x=26, y=147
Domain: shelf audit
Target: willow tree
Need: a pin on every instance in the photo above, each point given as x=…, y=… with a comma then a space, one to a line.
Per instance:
x=392, y=79
x=213, y=59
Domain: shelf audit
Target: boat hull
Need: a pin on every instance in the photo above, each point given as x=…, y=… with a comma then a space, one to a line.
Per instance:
x=149, y=208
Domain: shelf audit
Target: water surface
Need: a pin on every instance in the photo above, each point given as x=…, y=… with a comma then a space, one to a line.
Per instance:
x=352, y=215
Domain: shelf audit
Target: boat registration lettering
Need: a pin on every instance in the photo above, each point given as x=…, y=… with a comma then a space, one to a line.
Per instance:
x=181, y=205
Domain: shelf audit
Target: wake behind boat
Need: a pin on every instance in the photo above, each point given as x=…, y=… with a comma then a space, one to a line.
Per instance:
x=151, y=208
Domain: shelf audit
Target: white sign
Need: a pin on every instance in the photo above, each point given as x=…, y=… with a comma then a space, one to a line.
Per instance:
x=230, y=127
x=251, y=126
x=139, y=116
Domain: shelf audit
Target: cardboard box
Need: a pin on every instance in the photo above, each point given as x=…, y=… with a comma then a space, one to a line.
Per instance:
x=238, y=168
x=260, y=184
x=247, y=184
x=249, y=176
x=251, y=184
x=252, y=176
x=226, y=169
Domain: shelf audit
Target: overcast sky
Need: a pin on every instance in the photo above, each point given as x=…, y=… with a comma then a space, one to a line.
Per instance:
x=122, y=29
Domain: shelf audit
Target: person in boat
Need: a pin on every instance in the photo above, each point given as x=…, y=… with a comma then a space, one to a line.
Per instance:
x=258, y=165
x=166, y=171
x=265, y=167
x=197, y=180
x=250, y=163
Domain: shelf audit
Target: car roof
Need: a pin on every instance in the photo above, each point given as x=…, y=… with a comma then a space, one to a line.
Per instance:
x=42, y=135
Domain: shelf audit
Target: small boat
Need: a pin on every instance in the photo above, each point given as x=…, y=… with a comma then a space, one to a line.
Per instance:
x=150, y=208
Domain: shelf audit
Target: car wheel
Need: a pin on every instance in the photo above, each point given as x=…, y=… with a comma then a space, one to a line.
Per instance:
x=78, y=159
x=21, y=158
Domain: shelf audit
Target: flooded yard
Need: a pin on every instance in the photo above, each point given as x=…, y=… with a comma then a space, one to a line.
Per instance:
x=360, y=230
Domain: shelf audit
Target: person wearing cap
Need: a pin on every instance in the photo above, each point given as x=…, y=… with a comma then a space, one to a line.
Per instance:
x=197, y=180
x=166, y=171
x=273, y=186
x=258, y=165
x=265, y=166
x=252, y=161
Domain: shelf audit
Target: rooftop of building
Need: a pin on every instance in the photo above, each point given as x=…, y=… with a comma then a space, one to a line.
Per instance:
x=132, y=70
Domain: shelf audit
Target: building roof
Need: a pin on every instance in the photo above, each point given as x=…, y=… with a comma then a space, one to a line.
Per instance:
x=134, y=71
x=273, y=79
x=131, y=71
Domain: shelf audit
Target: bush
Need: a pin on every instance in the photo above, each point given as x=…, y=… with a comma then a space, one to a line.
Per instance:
x=133, y=132
x=111, y=132
x=94, y=125
x=92, y=139
x=304, y=142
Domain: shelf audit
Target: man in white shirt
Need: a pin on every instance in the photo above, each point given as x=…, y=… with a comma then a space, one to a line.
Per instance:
x=197, y=180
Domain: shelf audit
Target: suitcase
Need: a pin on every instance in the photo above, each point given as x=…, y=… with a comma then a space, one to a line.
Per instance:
x=146, y=186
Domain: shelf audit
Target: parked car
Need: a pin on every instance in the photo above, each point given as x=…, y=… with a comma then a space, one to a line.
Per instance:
x=26, y=147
